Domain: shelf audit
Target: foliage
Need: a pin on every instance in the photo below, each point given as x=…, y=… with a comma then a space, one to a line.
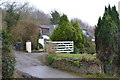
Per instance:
x=76, y=56
x=67, y=31
x=36, y=15
x=8, y=65
x=26, y=12
x=79, y=40
x=89, y=46
x=24, y=31
x=106, y=34
x=8, y=59
x=11, y=17
x=97, y=75
x=55, y=17
x=64, y=31
x=76, y=63
x=51, y=58
x=39, y=46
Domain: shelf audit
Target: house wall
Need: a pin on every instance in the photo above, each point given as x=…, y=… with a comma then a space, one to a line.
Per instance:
x=41, y=41
x=44, y=30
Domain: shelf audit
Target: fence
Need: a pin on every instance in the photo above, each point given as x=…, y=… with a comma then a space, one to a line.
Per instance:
x=62, y=46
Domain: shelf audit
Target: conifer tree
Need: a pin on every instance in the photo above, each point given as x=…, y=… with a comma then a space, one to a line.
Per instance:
x=8, y=59
x=64, y=31
x=115, y=17
x=55, y=17
x=106, y=34
x=80, y=39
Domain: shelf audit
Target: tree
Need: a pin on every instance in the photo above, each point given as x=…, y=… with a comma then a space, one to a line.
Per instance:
x=55, y=17
x=106, y=36
x=79, y=40
x=24, y=31
x=8, y=59
x=31, y=13
x=64, y=31
x=11, y=17
x=27, y=12
x=67, y=31
x=115, y=16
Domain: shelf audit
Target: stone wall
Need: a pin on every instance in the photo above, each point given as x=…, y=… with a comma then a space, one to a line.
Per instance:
x=87, y=66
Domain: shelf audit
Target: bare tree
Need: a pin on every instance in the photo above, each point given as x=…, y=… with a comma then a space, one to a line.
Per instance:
x=27, y=12
x=24, y=31
x=31, y=13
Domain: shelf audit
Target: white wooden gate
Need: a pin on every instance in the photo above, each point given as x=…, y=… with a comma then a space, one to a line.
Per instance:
x=63, y=46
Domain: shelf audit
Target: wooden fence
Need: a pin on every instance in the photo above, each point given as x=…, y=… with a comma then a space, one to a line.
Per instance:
x=62, y=46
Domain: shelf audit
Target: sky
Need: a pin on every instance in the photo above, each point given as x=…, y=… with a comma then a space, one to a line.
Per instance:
x=87, y=10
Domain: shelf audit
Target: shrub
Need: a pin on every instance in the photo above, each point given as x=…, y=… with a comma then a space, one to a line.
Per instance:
x=51, y=58
x=79, y=40
x=8, y=59
x=26, y=31
x=64, y=31
x=76, y=63
x=8, y=65
x=39, y=46
x=67, y=31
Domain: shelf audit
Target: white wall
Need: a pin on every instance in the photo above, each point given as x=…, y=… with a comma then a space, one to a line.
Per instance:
x=41, y=41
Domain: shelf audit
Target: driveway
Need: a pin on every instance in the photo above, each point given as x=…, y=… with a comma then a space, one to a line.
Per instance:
x=29, y=63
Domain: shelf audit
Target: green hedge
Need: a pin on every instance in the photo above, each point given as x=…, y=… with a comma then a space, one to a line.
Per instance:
x=8, y=65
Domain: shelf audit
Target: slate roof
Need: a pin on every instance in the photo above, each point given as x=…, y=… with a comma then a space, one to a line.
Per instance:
x=50, y=27
x=45, y=26
x=89, y=33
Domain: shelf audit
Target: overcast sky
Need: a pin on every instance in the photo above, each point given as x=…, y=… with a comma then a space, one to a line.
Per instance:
x=86, y=10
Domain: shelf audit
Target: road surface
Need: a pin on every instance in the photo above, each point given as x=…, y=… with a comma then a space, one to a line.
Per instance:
x=29, y=64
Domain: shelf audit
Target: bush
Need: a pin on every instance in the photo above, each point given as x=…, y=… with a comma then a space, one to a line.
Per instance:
x=79, y=40
x=25, y=31
x=76, y=63
x=40, y=46
x=107, y=39
x=64, y=31
x=67, y=31
x=8, y=65
x=51, y=58
x=8, y=59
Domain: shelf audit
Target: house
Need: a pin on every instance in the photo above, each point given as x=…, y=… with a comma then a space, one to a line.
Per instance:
x=87, y=33
x=46, y=31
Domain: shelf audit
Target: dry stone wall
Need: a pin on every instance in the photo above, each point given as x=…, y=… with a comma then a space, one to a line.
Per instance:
x=86, y=66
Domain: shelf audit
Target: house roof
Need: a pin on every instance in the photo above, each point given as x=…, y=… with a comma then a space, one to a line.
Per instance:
x=89, y=33
x=45, y=26
x=46, y=33
x=50, y=27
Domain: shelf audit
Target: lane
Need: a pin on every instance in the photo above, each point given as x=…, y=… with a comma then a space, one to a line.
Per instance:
x=29, y=63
